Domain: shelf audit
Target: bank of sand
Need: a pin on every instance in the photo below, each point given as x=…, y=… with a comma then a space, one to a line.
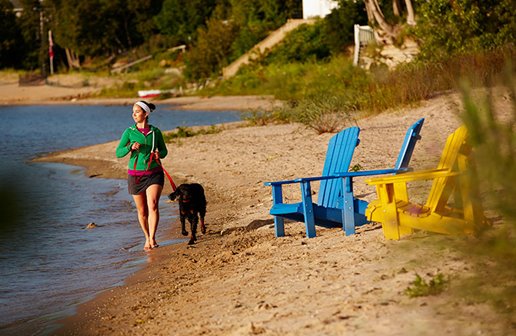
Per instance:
x=77, y=94
x=240, y=280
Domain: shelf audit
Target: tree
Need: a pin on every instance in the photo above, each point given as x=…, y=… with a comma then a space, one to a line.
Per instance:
x=10, y=37
x=182, y=18
x=338, y=25
x=30, y=23
x=448, y=27
x=211, y=50
x=256, y=19
x=101, y=27
x=388, y=28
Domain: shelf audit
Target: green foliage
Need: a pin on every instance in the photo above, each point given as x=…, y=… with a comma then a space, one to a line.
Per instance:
x=324, y=112
x=211, y=51
x=420, y=287
x=303, y=44
x=263, y=117
x=323, y=94
x=448, y=27
x=493, y=138
x=100, y=27
x=338, y=30
x=182, y=18
x=356, y=167
x=29, y=23
x=254, y=20
x=10, y=37
x=223, y=40
x=491, y=127
x=186, y=132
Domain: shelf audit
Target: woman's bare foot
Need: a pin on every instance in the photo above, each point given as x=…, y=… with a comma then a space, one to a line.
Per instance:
x=154, y=244
x=148, y=246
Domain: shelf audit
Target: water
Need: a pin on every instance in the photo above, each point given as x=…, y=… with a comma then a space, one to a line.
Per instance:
x=49, y=262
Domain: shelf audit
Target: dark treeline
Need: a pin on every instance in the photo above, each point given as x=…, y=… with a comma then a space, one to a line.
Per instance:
x=216, y=32
x=85, y=29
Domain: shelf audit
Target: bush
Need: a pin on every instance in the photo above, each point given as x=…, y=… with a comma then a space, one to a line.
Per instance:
x=208, y=57
x=338, y=26
x=449, y=27
x=306, y=43
x=420, y=287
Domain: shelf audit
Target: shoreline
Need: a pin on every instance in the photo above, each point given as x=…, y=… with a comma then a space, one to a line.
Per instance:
x=240, y=280
x=14, y=95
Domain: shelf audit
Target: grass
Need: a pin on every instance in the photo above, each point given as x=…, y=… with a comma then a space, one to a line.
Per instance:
x=420, y=287
x=316, y=91
x=494, y=143
x=187, y=132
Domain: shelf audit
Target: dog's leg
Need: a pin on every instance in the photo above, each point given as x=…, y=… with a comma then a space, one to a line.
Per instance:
x=193, y=219
x=182, y=217
x=203, y=227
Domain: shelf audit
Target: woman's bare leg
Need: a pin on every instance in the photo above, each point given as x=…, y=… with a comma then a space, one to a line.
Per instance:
x=143, y=217
x=153, y=193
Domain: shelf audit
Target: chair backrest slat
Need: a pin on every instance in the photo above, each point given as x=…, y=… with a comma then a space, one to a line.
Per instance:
x=338, y=159
x=409, y=143
x=443, y=187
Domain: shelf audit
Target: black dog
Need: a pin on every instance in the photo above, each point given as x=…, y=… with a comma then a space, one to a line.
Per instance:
x=192, y=205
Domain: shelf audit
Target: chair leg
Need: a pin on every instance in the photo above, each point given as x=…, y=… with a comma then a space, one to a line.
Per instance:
x=308, y=209
x=279, y=222
x=348, y=211
x=279, y=226
x=390, y=224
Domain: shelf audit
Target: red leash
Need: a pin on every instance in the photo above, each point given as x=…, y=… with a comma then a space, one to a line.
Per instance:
x=158, y=161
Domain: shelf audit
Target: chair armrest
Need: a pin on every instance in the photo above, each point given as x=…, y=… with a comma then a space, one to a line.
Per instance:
x=338, y=175
x=371, y=172
x=412, y=176
x=303, y=179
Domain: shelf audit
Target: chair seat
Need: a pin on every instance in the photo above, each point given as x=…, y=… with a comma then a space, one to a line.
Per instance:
x=286, y=208
x=413, y=209
x=325, y=216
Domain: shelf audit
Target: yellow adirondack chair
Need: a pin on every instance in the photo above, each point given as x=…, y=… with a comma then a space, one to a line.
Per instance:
x=399, y=216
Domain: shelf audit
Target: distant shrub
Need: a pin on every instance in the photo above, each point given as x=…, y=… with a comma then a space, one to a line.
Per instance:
x=186, y=132
x=449, y=27
x=265, y=117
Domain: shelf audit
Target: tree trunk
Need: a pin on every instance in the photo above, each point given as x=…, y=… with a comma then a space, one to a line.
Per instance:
x=73, y=59
x=410, y=13
x=396, y=7
x=386, y=31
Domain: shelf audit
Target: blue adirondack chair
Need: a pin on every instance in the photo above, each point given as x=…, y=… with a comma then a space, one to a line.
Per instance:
x=338, y=158
x=336, y=205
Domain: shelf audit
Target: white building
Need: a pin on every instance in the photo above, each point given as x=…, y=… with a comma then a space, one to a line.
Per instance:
x=318, y=8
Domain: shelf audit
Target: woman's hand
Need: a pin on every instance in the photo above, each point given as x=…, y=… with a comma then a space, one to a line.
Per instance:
x=135, y=146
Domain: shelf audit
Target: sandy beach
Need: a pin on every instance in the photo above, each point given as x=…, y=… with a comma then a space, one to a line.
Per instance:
x=241, y=280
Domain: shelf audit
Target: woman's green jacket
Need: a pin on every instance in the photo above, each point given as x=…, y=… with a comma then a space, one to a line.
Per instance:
x=148, y=143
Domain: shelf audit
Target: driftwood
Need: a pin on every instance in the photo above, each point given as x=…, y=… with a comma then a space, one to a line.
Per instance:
x=31, y=79
x=128, y=65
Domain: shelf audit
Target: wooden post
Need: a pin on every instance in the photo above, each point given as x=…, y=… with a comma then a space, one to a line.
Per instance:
x=357, y=44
